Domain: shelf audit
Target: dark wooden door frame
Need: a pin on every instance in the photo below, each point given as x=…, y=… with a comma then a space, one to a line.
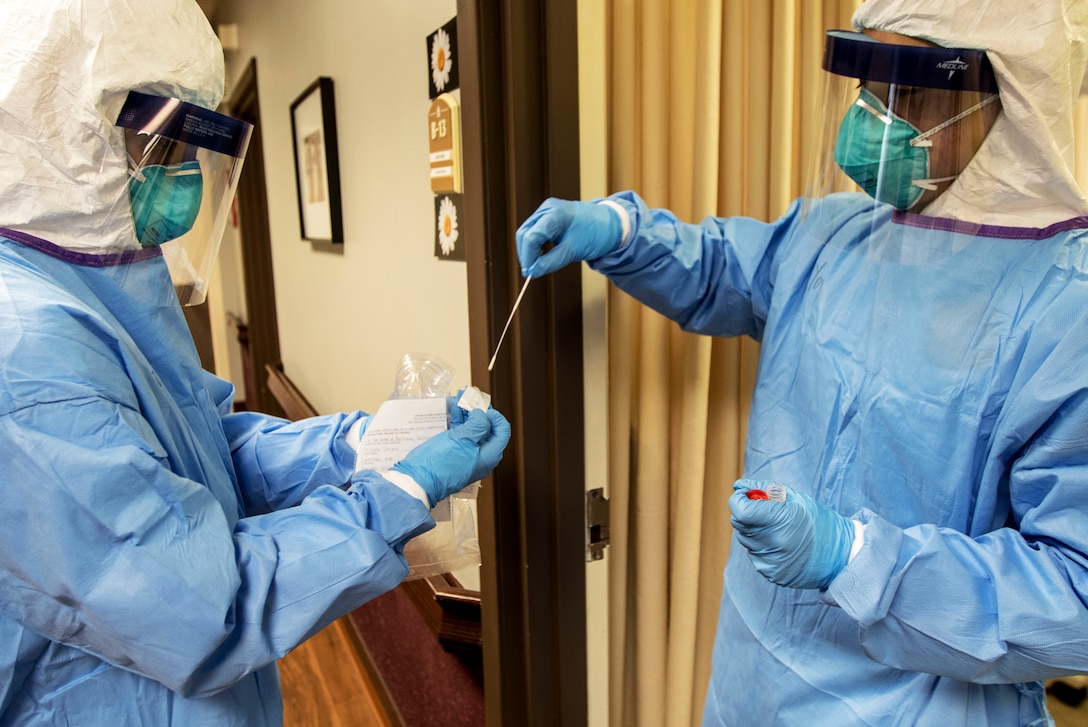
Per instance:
x=262, y=323
x=520, y=138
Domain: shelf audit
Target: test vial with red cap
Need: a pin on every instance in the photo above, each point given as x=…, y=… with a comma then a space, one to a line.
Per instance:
x=777, y=493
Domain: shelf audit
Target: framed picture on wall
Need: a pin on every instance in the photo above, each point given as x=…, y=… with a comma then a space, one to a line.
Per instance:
x=317, y=169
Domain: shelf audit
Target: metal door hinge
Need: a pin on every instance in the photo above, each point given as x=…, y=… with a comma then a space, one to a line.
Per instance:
x=597, y=525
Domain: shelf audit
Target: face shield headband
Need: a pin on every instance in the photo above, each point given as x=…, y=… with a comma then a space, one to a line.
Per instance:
x=876, y=147
x=184, y=165
x=856, y=55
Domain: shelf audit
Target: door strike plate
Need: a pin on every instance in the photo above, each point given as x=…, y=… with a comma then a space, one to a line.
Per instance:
x=597, y=524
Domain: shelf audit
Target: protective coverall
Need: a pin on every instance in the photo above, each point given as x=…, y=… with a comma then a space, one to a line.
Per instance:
x=945, y=395
x=155, y=545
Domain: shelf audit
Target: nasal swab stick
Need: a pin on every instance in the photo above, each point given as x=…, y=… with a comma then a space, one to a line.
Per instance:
x=508, y=321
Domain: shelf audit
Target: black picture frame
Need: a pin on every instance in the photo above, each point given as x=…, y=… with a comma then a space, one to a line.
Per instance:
x=317, y=166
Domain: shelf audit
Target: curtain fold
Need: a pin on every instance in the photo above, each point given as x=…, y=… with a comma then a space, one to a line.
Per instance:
x=1080, y=130
x=708, y=103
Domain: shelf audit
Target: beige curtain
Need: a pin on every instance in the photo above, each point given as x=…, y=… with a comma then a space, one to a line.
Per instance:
x=1080, y=128
x=709, y=104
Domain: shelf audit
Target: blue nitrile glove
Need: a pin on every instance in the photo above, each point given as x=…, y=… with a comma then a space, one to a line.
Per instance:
x=797, y=543
x=448, y=462
x=580, y=231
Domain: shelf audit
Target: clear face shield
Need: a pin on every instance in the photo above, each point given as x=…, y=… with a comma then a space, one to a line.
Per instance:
x=900, y=122
x=184, y=164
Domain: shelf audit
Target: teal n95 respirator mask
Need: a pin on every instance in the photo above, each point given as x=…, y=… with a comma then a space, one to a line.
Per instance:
x=165, y=201
x=886, y=155
x=184, y=162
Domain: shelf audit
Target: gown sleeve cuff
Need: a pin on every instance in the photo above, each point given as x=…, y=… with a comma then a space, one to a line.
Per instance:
x=864, y=588
x=394, y=513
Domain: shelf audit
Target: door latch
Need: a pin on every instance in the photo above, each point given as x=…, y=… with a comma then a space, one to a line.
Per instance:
x=597, y=524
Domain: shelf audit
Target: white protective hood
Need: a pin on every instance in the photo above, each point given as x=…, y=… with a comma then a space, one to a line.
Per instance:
x=68, y=66
x=1023, y=175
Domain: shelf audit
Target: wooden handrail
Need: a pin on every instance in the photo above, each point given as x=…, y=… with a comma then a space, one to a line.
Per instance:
x=295, y=405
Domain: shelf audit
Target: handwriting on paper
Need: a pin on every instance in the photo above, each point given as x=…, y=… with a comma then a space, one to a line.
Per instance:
x=397, y=427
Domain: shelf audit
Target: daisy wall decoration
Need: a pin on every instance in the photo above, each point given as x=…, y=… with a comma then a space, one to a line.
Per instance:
x=442, y=59
x=448, y=240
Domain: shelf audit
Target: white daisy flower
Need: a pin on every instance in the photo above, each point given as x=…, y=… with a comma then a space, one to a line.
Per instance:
x=447, y=225
x=441, y=59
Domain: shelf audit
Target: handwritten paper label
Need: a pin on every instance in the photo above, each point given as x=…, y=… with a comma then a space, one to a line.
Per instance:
x=397, y=427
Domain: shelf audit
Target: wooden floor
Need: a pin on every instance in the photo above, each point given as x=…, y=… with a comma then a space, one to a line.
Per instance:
x=325, y=684
x=1067, y=716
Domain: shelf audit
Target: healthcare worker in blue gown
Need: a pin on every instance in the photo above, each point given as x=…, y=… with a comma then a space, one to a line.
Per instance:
x=158, y=553
x=922, y=388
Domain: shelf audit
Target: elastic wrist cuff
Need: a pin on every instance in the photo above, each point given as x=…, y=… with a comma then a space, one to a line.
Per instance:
x=625, y=221
x=354, y=434
x=407, y=484
x=859, y=539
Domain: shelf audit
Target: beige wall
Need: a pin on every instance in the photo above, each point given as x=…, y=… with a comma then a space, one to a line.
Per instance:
x=345, y=320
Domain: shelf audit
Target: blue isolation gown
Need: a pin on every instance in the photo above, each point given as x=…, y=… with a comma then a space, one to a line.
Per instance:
x=930, y=379
x=158, y=553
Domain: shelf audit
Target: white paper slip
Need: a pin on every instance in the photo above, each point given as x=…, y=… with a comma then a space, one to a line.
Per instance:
x=473, y=398
x=397, y=427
